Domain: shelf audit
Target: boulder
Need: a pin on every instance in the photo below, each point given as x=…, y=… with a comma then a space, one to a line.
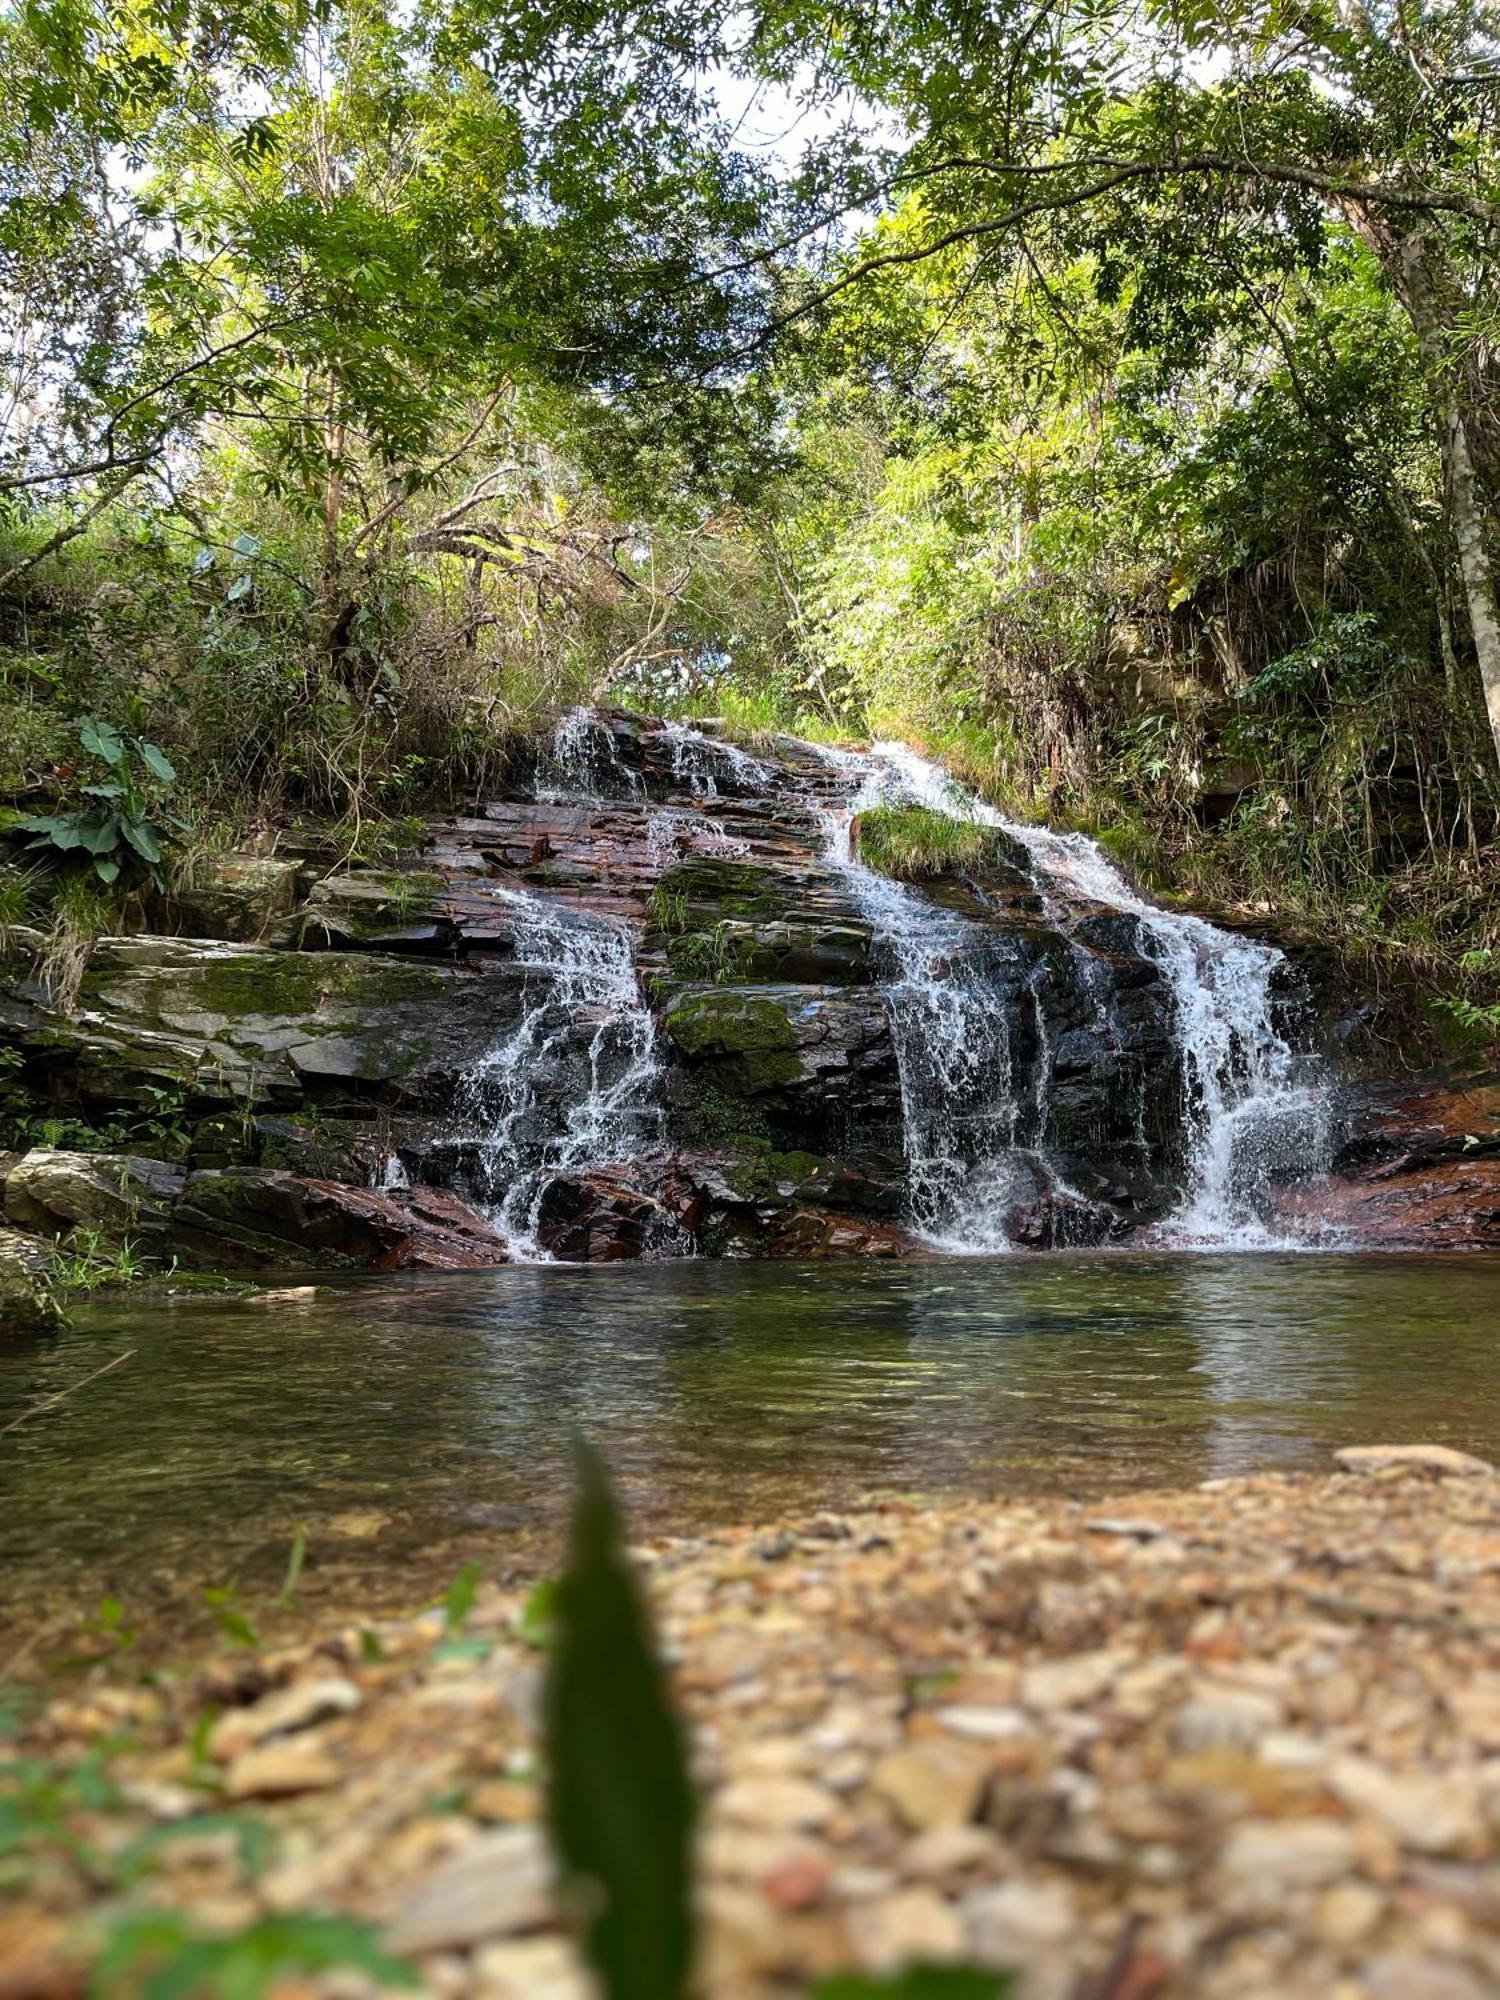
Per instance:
x=28, y=1302
x=122, y=1194
x=248, y=1218
x=814, y=1052
x=606, y=1215
x=236, y=896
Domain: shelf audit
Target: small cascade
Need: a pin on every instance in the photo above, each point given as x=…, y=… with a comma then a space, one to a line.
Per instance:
x=672, y=831
x=708, y=766
x=584, y=762
x=952, y=1040
x=574, y=1083
x=1255, y=1109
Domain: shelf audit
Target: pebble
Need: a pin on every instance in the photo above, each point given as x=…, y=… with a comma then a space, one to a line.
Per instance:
x=1247, y=1746
x=496, y=1886
x=1264, y=1858
x=1429, y=1814
x=1416, y=1457
x=280, y=1770
x=933, y=1784
x=775, y=1802
x=541, y=1968
x=907, y=1926
x=281, y=1714
x=1070, y=1683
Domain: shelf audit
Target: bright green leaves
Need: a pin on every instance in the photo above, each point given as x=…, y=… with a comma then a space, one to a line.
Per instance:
x=119, y=822
x=160, y=1956
x=620, y=1803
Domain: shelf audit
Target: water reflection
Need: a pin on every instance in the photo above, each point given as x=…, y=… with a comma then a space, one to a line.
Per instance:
x=411, y=1421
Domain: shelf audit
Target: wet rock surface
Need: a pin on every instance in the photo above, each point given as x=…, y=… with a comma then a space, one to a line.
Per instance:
x=330, y=1022
x=28, y=1301
x=1210, y=1745
x=1421, y=1170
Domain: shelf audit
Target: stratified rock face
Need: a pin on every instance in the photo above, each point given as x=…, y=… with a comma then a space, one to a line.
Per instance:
x=249, y=1219
x=651, y=1005
x=50, y=1191
x=1421, y=1171
x=28, y=1302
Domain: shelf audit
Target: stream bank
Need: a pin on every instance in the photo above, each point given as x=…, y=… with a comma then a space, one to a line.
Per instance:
x=1203, y=1745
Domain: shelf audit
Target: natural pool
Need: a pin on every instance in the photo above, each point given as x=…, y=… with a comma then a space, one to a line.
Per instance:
x=409, y=1423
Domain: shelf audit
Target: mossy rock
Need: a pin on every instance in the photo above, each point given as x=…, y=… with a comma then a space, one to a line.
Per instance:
x=730, y=1023
x=747, y=1037
x=705, y=889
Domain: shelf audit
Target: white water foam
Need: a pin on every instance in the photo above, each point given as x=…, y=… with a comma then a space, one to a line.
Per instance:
x=585, y=758
x=579, y=969
x=701, y=763
x=958, y=1111
x=1254, y=1107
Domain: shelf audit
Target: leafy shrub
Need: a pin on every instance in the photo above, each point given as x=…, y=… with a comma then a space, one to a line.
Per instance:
x=117, y=822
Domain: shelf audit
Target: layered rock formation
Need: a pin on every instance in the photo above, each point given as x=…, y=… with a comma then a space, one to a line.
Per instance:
x=655, y=1007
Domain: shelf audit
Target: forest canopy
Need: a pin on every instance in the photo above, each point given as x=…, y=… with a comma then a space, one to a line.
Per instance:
x=1106, y=396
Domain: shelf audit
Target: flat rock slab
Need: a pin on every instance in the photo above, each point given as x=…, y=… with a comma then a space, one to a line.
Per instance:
x=1439, y=1458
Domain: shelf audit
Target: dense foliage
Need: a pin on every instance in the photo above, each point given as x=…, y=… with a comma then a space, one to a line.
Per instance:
x=1105, y=395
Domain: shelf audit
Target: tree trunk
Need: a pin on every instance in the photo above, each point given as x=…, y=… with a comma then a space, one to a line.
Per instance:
x=1409, y=260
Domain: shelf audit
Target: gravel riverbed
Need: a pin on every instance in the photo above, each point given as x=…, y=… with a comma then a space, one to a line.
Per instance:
x=1237, y=1741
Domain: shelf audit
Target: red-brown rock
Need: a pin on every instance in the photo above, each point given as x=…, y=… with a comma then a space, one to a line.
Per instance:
x=252, y=1219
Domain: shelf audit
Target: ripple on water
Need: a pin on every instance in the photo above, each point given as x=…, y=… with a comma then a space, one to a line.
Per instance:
x=409, y=1422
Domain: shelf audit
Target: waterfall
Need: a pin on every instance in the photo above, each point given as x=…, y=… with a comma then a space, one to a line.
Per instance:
x=574, y=1083
x=585, y=761
x=1254, y=1108
x=1099, y=1040
x=952, y=1041
x=702, y=763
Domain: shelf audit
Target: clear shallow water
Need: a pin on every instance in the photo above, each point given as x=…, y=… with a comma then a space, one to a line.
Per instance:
x=411, y=1422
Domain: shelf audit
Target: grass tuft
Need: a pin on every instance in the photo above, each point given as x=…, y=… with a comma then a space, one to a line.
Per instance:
x=910, y=842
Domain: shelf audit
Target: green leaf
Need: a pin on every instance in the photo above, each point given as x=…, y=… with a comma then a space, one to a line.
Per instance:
x=99, y=833
x=142, y=838
x=294, y=1564
x=538, y=1614
x=917, y=1982
x=461, y=1594
x=158, y=1955
x=158, y=763
x=620, y=1802
x=101, y=740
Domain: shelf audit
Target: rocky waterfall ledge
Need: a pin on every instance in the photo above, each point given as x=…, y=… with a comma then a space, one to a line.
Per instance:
x=649, y=1003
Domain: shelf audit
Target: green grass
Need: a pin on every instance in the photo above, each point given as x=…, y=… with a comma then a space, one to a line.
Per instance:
x=909, y=842
x=753, y=716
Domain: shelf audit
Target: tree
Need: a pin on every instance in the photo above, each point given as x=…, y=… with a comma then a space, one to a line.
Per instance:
x=340, y=235
x=1175, y=145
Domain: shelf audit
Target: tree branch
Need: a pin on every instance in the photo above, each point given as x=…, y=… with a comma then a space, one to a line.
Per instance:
x=1117, y=172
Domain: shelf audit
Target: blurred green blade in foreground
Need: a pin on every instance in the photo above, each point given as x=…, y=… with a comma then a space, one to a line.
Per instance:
x=620, y=1802
x=918, y=1982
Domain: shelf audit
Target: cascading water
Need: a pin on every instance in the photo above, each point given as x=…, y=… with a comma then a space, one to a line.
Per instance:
x=952, y=1042
x=1254, y=1108
x=573, y=1084
x=1072, y=1065
x=585, y=761
x=703, y=763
